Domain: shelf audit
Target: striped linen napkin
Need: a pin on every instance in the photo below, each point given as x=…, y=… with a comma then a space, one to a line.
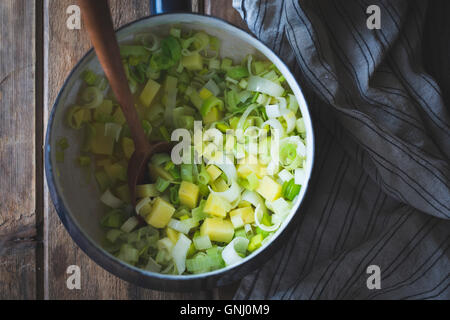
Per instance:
x=380, y=193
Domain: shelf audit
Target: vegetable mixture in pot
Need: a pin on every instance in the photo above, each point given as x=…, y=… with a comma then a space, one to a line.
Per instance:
x=229, y=190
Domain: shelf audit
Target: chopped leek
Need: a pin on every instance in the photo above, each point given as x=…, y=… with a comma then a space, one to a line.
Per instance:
x=250, y=158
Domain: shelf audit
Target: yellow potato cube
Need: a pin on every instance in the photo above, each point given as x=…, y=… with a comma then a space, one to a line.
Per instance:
x=250, y=165
x=216, y=206
x=172, y=235
x=269, y=189
x=217, y=229
x=149, y=93
x=161, y=214
x=247, y=214
x=188, y=194
x=213, y=172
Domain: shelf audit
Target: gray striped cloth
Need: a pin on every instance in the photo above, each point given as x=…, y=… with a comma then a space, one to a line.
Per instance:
x=380, y=193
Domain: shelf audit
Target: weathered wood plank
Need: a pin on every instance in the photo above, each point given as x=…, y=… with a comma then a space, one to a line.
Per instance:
x=224, y=9
x=64, y=48
x=17, y=150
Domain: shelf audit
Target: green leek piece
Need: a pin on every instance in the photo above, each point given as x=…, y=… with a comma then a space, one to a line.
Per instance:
x=118, y=116
x=127, y=50
x=255, y=242
x=173, y=195
x=169, y=56
x=123, y=192
x=186, y=172
x=89, y=134
x=165, y=133
x=194, y=97
x=76, y=116
x=162, y=184
x=62, y=144
x=260, y=231
x=91, y=97
x=103, y=180
x=127, y=147
x=113, y=235
x=113, y=219
x=89, y=77
x=146, y=190
x=116, y=172
x=209, y=104
x=101, y=144
x=290, y=190
x=203, y=176
x=175, y=32
x=237, y=73
x=149, y=93
x=156, y=172
x=130, y=224
x=198, y=214
x=193, y=62
x=226, y=64
x=84, y=161
x=128, y=254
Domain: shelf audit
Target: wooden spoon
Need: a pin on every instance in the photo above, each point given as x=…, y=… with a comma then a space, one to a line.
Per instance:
x=98, y=21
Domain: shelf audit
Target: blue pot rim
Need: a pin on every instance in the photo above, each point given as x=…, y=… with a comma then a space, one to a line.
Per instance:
x=90, y=247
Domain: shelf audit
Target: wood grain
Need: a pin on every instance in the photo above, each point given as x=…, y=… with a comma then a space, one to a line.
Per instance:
x=17, y=150
x=64, y=48
x=224, y=10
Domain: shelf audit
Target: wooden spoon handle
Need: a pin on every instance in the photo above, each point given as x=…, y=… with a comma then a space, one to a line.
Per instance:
x=98, y=21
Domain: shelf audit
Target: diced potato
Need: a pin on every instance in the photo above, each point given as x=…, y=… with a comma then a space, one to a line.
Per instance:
x=217, y=229
x=188, y=194
x=250, y=165
x=149, y=93
x=127, y=147
x=192, y=62
x=216, y=206
x=172, y=235
x=161, y=213
x=219, y=185
x=101, y=144
x=213, y=172
x=247, y=214
x=269, y=189
x=156, y=172
x=212, y=116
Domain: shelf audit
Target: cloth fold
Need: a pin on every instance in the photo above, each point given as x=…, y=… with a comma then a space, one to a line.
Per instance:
x=380, y=192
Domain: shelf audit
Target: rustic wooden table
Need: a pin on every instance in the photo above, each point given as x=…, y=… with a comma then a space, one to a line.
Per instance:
x=37, y=52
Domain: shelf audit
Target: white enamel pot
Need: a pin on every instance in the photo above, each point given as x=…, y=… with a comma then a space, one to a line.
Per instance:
x=77, y=203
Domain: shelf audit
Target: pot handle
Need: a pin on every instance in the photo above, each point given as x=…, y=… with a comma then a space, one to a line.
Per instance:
x=168, y=6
